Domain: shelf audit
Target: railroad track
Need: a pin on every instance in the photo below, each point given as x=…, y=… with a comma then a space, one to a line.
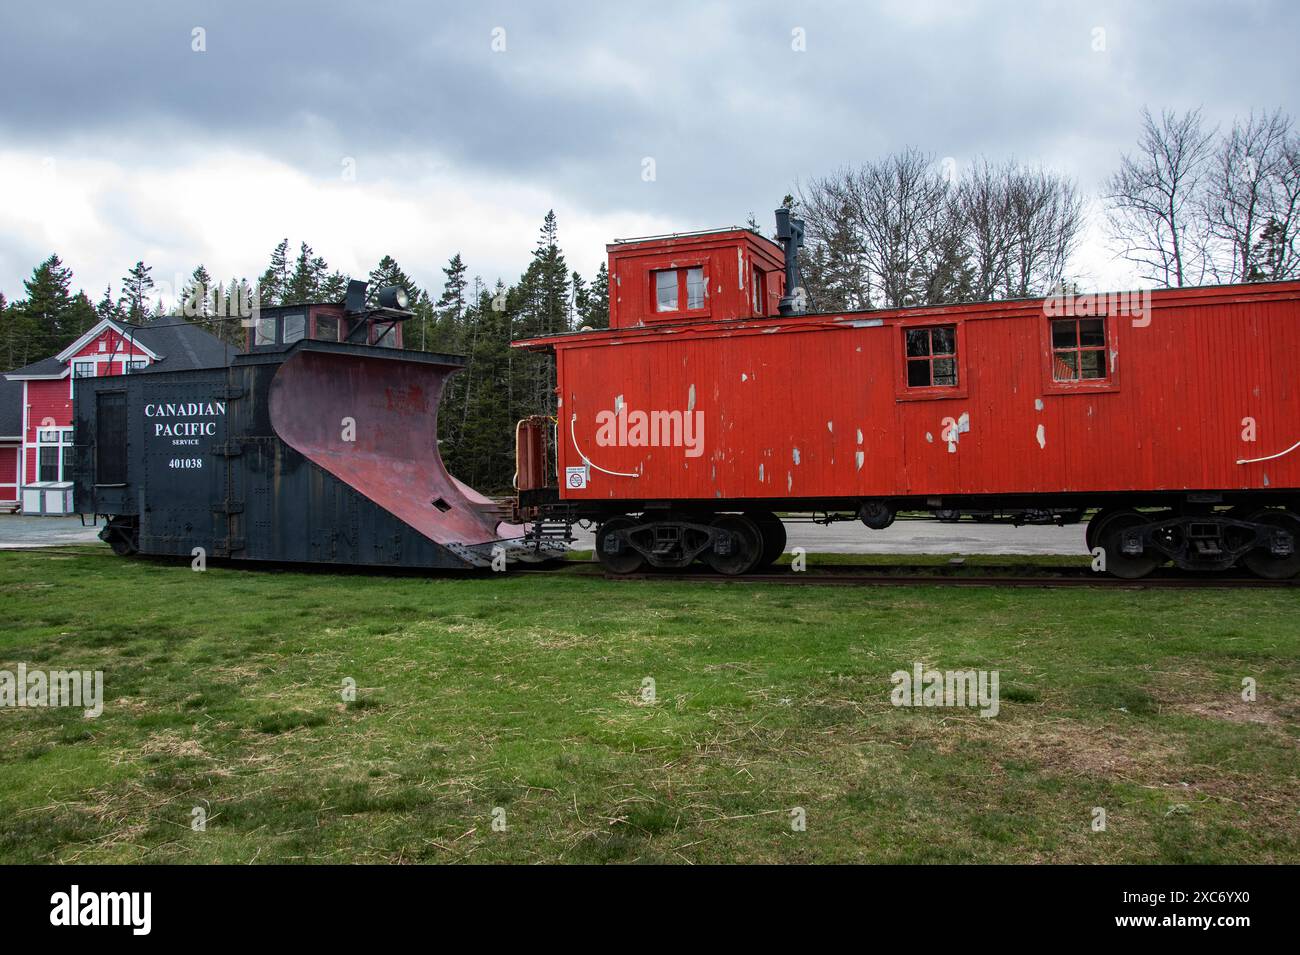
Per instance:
x=57, y=550
x=847, y=575
x=856, y=575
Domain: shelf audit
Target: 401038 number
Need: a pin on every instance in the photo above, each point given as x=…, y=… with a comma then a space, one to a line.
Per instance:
x=185, y=464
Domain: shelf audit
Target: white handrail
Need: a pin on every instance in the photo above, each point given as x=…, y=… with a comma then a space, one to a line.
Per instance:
x=586, y=460
x=1271, y=456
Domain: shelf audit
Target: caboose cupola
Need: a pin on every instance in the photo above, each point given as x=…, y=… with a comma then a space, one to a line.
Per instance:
x=715, y=275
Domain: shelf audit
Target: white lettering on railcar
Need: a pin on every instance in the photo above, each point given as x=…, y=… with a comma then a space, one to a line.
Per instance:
x=184, y=421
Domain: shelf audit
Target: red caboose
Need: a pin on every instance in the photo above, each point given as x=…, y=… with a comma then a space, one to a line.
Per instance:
x=713, y=401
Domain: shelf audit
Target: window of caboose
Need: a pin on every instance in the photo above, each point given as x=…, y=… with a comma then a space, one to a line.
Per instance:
x=1079, y=349
x=666, y=291
x=931, y=356
x=758, y=291
x=83, y=369
x=678, y=290
x=694, y=289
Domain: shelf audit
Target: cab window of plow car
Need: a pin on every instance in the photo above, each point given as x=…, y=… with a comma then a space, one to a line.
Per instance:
x=295, y=327
x=327, y=328
x=264, y=333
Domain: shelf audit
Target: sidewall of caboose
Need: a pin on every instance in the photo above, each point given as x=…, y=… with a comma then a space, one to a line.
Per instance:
x=812, y=407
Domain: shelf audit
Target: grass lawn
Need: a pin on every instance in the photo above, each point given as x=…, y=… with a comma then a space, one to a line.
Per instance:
x=521, y=696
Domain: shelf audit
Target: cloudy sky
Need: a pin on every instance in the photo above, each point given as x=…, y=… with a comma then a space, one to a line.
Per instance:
x=424, y=128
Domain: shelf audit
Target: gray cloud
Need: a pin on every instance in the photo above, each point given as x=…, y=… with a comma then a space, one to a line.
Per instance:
x=730, y=113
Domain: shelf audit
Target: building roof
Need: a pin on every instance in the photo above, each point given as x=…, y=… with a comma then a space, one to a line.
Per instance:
x=180, y=345
x=174, y=343
x=11, y=409
x=45, y=368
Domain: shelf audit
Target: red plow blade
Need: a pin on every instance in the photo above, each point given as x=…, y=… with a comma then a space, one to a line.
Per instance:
x=372, y=422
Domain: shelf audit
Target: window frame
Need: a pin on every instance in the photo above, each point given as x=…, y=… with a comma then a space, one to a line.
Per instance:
x=63, y=443
x=317, y=317
x=1110, y=352
x=905, y=392
x=77, y=364
x=681, y=268
x=392, y=330
x=301, y=331
x=261, y=322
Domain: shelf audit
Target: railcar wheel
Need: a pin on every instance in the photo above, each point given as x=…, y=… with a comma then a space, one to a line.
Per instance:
x=1090, y=534
x=1260, y=561
x=615, y=555
x=1110, y=538
x=123, y=538
x=744, y=546
x=773, y=532
x=947, y=515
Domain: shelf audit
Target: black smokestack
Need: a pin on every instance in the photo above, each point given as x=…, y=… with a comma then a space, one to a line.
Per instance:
x=789, y=231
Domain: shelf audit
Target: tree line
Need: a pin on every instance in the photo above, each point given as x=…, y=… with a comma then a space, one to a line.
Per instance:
x=498, y=386
x=1190, y=205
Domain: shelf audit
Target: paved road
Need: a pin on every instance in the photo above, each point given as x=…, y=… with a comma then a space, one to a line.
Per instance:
x=849, y=537
x=925, y=537
x=19, y=531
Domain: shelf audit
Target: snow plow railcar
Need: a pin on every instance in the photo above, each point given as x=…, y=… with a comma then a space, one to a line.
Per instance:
x=318, y=445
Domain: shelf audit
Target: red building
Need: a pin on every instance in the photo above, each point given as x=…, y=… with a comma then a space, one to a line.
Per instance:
x=36, y=435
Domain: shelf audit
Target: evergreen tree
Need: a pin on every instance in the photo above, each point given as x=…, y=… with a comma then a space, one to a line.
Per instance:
x=274, y=283
x=421, y=332
x=539, y=306
x=946, y=276
x=309, y=274
x=483, y=453
x=8, y=334
x=47, y=309
x=196, y=297
x=595, y=312
x=387, y=273
x=449, y=313
x=833, y=269
x=1270, y=253
x=135, y=293
x=81, y=317
x=234, y=311
x=110, y=307
x=334, y=287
